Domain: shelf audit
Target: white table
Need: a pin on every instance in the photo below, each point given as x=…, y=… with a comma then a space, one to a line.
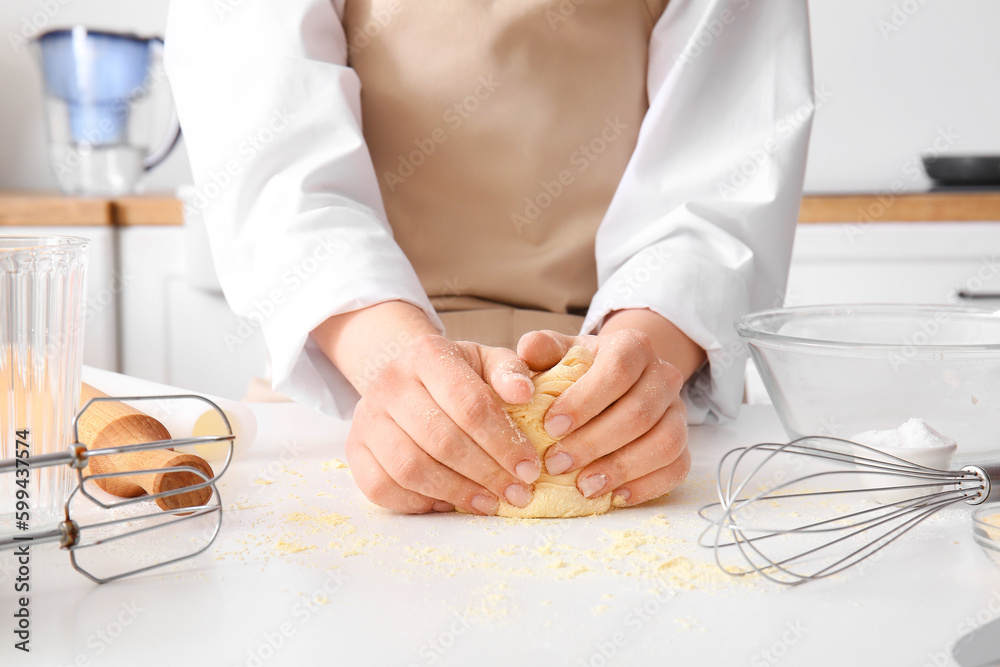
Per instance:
x=384, y=589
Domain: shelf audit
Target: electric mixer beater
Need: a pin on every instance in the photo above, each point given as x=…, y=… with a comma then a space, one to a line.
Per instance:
x=178, y=491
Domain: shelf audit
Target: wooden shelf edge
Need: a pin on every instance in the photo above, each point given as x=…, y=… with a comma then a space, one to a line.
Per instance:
x=153, y=210
x=908, y=207
x=50, y=209
x=25, y=209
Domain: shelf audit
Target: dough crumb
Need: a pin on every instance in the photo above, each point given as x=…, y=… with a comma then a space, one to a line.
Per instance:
x=332, y=464
x=291, y=546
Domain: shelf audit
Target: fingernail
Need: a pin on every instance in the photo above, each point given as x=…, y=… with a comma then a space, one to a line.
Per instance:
x=518, y=379
x=558, y=463
x=591, y=485
x=527, y=471
x=442, y=506
x=518, y=495
x=621, y=497
x=557, y=426
x=485, y=504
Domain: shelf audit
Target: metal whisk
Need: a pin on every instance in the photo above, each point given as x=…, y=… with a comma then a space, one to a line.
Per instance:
x=816, y=506
x=123, y=524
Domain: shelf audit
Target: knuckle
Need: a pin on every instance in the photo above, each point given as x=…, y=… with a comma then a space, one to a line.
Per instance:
x=680, y=412
x=620, y=364
x=633, y=341
x=425, y=344
x=672, y=443
x=408, y=471
x=671, y=375
x=474, y=407
x=506, y=361
x=385, y=379
x=619, y=471
x=568, y=405
x=444, y=444
x=684, y=464
x=583, y=449
x=641, y=341
x=496, y=481
x=363, y=413
x=379, y=490
x=642, y=414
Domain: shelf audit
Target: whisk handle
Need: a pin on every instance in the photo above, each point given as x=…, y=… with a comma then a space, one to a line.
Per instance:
x=990, y=476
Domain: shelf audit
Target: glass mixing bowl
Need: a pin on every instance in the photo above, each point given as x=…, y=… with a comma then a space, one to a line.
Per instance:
x=986, y=530
x=841, y=370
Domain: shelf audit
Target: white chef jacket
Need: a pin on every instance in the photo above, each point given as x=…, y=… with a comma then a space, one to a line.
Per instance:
x=699, y=229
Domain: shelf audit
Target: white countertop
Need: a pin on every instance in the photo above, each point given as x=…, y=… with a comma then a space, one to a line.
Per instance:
x=374, y=588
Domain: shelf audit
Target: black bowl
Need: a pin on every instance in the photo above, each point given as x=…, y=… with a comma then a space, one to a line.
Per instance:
x=963, y=169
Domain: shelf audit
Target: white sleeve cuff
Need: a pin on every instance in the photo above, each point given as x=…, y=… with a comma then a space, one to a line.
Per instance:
x=702, y=298
x=355, y=258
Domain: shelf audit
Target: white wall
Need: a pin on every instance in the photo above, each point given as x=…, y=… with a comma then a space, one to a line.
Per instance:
x=890, y=94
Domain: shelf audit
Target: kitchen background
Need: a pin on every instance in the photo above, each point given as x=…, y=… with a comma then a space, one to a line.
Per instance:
x=896, y=72
x=892, y=77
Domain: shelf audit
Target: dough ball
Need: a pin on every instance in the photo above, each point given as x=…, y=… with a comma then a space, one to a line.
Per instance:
x=554, y=495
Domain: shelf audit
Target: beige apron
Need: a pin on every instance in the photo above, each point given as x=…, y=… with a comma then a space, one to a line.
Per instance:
x=499, y=131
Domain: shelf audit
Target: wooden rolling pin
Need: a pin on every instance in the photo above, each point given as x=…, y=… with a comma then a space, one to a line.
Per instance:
x=113, y=424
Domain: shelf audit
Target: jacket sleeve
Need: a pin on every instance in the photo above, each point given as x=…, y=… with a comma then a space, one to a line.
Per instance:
x=700, y=229
x=272, y=120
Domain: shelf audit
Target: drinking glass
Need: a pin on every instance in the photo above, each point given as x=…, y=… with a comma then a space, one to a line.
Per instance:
x=41, y=347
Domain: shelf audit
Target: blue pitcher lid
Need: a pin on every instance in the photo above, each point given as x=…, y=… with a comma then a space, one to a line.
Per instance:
x=57, y=32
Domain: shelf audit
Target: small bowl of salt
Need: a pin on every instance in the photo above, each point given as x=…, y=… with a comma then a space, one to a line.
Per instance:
x=913, y=442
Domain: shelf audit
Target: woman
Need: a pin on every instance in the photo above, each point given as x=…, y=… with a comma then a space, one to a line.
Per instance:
x=376, y=173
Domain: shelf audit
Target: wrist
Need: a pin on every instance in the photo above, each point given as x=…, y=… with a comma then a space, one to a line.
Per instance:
x=670, y=343
x=361, y=342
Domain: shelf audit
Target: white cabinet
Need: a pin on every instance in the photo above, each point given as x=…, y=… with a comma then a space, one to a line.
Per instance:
x=104, y=287
x=209, y=348
x=894, y=263
x=148, y=255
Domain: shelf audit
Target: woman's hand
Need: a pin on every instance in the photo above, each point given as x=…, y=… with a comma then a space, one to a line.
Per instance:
x=429, y=434
x=624, y=424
